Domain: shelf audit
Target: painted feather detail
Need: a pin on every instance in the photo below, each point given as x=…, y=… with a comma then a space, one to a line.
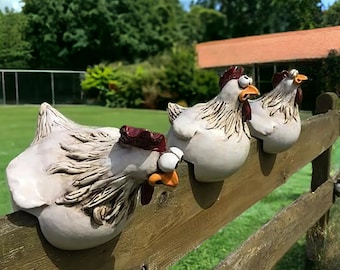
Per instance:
x=218, y=115
x=278, y=102
x=97, y=192
x=174, y=110
x=49, y=121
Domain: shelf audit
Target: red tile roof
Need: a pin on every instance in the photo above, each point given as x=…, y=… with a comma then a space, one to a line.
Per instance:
x=269, y=48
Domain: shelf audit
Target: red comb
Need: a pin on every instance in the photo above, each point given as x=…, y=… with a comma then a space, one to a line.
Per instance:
x=278, y=77
x=232, y=72
x=142, y=138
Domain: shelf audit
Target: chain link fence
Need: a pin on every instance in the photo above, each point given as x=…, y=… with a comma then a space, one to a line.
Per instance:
x=37, y=86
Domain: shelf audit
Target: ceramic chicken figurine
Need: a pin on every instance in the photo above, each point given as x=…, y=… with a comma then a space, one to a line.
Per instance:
x=82, y=182
x=275, y=116
x=214, y=136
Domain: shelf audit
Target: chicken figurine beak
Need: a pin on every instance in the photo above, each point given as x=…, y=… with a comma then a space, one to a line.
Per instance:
x=167, y=178
x=167, y=163
x=246, y=92
x=300, y=78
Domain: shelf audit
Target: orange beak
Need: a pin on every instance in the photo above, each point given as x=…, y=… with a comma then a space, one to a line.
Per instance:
x=169, y=179
x=300, y=78
x=246, y=92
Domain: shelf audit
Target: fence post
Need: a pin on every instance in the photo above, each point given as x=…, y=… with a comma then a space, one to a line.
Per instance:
x=52, y=89
x=320, y=173
x=16, y=88
x=3, y=87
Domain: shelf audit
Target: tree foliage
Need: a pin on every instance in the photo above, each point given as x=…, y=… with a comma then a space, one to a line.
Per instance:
x=331, y=16
x=151, y=39
x=74, y=34
x=204, y=24
x=330, y=72
x=244, y=17
x=182, y=80
x=14, y=50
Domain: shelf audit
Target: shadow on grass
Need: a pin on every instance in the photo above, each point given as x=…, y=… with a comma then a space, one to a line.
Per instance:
x=329, y=257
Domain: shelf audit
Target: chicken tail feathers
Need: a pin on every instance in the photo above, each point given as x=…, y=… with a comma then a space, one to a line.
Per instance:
x=174, y=110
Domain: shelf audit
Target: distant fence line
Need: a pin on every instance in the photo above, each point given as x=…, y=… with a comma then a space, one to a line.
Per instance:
x=19, y=86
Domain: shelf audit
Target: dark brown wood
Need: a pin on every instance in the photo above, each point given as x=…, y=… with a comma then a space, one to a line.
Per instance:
x=320, y=172
x=264, y=249
x=177, y=220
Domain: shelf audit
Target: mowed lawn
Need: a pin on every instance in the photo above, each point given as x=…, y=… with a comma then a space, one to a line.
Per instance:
x=17, y=131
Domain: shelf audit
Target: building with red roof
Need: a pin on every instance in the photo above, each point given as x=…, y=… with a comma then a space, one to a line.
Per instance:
x=294, y=46
x=263, y=55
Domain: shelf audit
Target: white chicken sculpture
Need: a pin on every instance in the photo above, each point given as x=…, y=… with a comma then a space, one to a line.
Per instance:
x=213, y=135
x=275, y=116
x=82, y=183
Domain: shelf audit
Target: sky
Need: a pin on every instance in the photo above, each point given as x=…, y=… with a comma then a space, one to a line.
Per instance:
x=326, y=3
x=16, y=5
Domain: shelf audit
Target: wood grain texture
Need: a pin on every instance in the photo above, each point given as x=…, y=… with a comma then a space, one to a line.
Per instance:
x=177, y=220
x=264, y=248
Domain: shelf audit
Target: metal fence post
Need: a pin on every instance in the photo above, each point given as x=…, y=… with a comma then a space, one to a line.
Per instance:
x=16, y=88
x=9, y=98
x=3, y=87
x=52, y=89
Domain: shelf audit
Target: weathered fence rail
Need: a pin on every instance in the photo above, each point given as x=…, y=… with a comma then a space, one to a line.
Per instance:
x=178, y=220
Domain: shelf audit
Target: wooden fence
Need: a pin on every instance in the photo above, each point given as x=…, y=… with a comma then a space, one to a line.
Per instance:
x=178, y=220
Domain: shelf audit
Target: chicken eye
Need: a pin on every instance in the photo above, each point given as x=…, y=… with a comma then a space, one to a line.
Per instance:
x=293, y=73
x=178, y=152
x=244, y=81
x=169, y=161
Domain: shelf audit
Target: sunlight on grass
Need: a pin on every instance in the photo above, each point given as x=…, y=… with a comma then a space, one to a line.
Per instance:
x=330, y=254
x=216, y=248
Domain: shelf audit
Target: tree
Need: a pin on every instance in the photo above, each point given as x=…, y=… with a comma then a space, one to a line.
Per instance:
x=245, y=17
x=330, y=71
x=14, y=50
x=331, y=16
x=77, y=33
x=204, y=24
x=184, y=80
x=64, y=34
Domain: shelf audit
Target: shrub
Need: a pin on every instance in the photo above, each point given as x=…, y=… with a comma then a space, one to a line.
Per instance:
x=205, y=85
x=170, y=76
x=111, y=85
x=142, y=85
x=100, y=83
x=184, y=82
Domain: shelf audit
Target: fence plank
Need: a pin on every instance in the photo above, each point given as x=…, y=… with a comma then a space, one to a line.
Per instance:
x=177, y=220
x=23, y=247
x=264, y=248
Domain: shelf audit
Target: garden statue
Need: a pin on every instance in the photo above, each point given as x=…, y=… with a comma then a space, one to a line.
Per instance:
x=275, y=115
x=82, y=183
x=214, y=136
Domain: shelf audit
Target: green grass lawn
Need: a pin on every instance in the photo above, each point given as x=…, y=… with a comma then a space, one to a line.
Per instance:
x=18, y=127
